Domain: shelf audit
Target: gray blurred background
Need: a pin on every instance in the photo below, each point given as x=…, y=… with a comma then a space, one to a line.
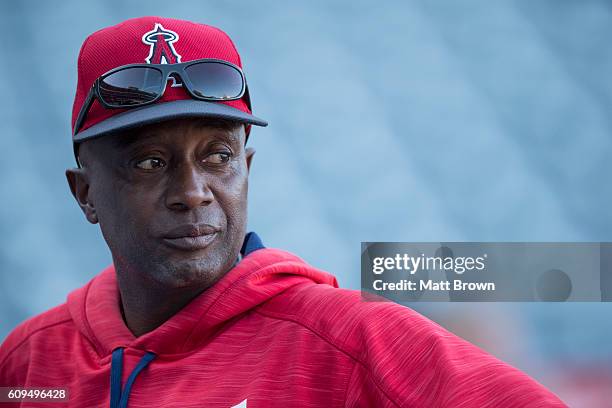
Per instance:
x=389, y=121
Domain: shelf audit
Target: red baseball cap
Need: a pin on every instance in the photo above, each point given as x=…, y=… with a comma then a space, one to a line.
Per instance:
x=126, y=43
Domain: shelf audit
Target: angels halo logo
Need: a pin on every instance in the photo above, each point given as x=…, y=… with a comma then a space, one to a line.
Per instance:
x=161, y=42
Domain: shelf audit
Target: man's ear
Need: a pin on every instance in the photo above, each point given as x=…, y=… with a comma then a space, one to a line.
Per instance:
x=250, y=152
x=78, y=180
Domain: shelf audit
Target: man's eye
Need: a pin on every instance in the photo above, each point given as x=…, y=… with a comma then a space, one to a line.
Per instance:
x=150, y=164
x=218, y=158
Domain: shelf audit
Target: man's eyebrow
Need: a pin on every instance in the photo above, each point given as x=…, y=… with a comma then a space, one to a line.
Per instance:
x=128, y=138
x=123, y=140
x=226, y=135
x=224, y=128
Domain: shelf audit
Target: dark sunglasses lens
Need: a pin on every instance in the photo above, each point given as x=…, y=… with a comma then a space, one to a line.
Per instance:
x=215, y=80
x=131, y=86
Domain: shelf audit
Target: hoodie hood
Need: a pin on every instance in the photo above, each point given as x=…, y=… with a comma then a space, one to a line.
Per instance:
x=259, y=276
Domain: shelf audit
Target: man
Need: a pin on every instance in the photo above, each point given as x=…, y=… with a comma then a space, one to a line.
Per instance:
x=195, y=312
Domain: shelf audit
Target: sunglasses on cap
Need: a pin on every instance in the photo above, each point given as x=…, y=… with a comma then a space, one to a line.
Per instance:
x=136, y=85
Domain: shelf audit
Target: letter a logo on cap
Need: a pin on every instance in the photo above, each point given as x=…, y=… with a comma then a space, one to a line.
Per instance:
x=162, y=49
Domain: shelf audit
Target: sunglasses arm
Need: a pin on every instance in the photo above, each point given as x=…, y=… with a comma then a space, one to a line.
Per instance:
x=247, y=99
x=84, y=109
x=80, y=119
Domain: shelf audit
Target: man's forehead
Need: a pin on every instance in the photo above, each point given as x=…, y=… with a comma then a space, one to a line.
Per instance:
x=229, y=130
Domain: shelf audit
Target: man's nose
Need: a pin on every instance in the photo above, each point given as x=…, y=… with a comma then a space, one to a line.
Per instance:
x=188, y=188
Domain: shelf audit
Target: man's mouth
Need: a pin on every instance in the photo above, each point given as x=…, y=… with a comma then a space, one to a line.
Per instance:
x=191, y=237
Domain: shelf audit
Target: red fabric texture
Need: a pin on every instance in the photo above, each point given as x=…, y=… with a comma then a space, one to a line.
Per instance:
x=273, y=331
x=123, y=44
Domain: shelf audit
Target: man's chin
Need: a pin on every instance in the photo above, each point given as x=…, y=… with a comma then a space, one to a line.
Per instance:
x=188, y=273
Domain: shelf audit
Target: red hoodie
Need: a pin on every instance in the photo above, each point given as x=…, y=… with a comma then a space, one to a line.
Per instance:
x=273, y=332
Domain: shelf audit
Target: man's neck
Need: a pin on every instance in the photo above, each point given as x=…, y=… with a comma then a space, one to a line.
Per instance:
x=146, y=307
x=146, y=304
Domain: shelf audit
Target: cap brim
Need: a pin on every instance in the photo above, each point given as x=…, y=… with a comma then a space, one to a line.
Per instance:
x=189, y=108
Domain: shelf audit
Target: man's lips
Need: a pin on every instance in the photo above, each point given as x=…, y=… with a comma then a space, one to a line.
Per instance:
x=190, y=237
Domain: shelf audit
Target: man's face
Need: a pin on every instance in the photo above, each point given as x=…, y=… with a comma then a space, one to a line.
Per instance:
x=171, y=199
